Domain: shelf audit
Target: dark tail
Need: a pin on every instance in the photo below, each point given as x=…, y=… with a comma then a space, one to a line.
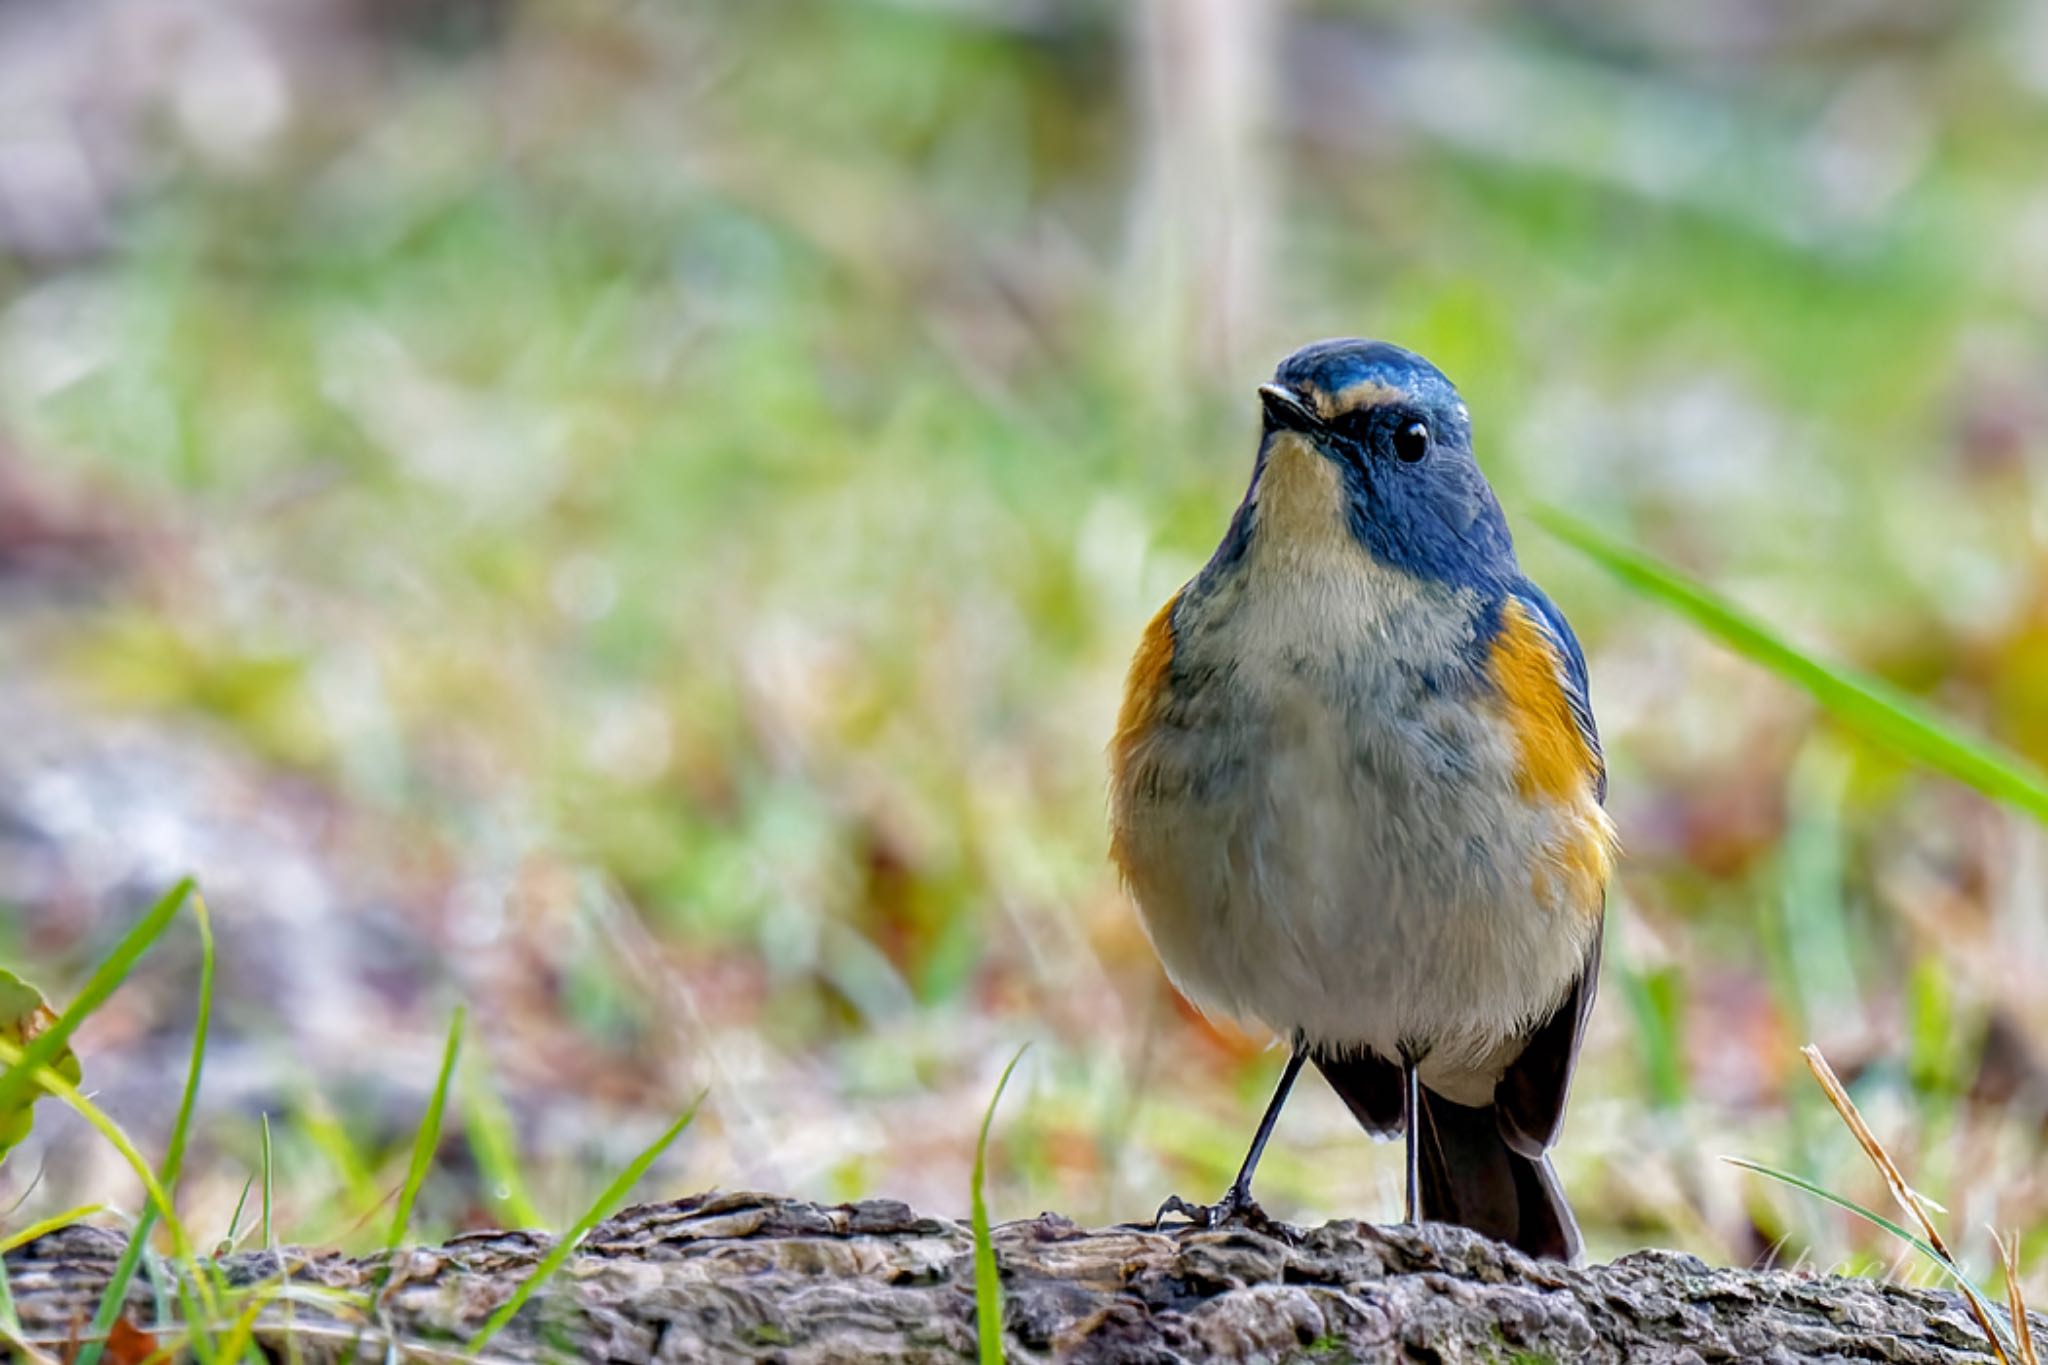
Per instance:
x=1470, y=1175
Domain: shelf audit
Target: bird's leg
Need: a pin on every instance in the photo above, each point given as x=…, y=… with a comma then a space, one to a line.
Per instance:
x=1237, y=1202
x=1411, y=1119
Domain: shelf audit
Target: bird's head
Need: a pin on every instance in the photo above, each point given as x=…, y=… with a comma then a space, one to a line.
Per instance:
x=1376, y=437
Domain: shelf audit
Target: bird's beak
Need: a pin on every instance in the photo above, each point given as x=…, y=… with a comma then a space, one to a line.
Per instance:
x=1285, y=410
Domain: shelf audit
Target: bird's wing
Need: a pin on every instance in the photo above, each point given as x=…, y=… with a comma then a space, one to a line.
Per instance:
x=1531, y=1095
x=1532, y=1092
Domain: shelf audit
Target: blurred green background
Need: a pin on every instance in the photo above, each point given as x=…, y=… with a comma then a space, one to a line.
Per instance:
x=632, y=516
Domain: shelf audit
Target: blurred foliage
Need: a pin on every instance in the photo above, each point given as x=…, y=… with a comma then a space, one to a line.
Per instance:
x=663, y=495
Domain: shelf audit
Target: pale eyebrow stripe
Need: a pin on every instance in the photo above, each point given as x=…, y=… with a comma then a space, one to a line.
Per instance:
x=1365, y=393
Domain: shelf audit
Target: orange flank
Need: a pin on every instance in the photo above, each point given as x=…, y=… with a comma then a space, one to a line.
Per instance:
x=1145, y=688
x=1225, y=1041
x=1556, y=759
x=1144, y=696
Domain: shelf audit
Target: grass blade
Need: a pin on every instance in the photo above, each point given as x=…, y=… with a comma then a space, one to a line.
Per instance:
x=18, y=1079
x=988, y=1285
x=290, y=1333
x=56, y=1220
x=115, y=1296
x=1895, y=1180
x=2016, y=1298
x=1971, y=1293
x=558, y=1255
x=195, y=1066
x=1928, y=1242
x=241, y=1335
x=227, y=1243
x=1866, y=703
x=269, y=1234
x=425, y=1141
x=1868, y=1215
x=10, y=1321
x=112, y=1132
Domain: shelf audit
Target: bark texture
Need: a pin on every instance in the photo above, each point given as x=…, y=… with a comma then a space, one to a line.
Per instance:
x=756, y=1277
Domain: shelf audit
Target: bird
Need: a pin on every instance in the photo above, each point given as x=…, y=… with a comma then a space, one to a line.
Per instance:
x=1358, y=795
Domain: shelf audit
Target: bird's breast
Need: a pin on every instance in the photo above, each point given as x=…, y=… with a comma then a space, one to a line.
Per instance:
x=1319, y=813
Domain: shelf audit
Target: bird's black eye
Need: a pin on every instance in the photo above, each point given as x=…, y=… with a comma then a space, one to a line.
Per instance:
x=1411, y=442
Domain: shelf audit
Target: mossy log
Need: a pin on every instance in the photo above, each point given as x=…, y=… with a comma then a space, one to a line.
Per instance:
x=756, y=1277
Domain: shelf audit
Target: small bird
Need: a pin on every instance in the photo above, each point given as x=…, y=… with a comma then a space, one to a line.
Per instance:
x=1357, y=794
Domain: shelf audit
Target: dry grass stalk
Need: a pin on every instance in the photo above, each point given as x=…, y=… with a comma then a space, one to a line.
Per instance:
x=2016, y=1298
x=1908, y=1198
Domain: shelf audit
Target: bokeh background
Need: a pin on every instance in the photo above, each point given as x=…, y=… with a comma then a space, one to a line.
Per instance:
x=631, y=516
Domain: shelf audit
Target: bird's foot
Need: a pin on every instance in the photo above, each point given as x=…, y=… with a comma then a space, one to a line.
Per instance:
x=1236, y=1207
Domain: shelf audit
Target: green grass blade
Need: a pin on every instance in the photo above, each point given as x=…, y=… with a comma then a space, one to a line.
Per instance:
x=18, y=1079
x=115, y=1297
x=159, y=1291
x=28, y=1066
x=425, y=1141
x=10, y=1321
x=291, y=1341
x=241, y=1336
x=1800, y=1182
x=269, y=1189
x=235, y=1218
x=46, y=1225
x=195, y=1066
x=118, y=1139
x=116, y=1293
x=202, y=1309
x=1859, y=700
x=558, y=1255
x=988, y=1286
x=1918, y=1243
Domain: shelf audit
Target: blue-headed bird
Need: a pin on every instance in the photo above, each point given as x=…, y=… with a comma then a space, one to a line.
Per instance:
x=1358, y=795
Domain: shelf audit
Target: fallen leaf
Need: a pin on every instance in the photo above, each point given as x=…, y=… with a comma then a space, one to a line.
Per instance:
x=128, y=1344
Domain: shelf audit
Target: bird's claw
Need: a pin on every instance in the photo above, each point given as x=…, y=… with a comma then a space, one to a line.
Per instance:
x=1237, y=1206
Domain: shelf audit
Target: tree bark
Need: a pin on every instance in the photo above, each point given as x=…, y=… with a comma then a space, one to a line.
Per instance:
x=756, y=1277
